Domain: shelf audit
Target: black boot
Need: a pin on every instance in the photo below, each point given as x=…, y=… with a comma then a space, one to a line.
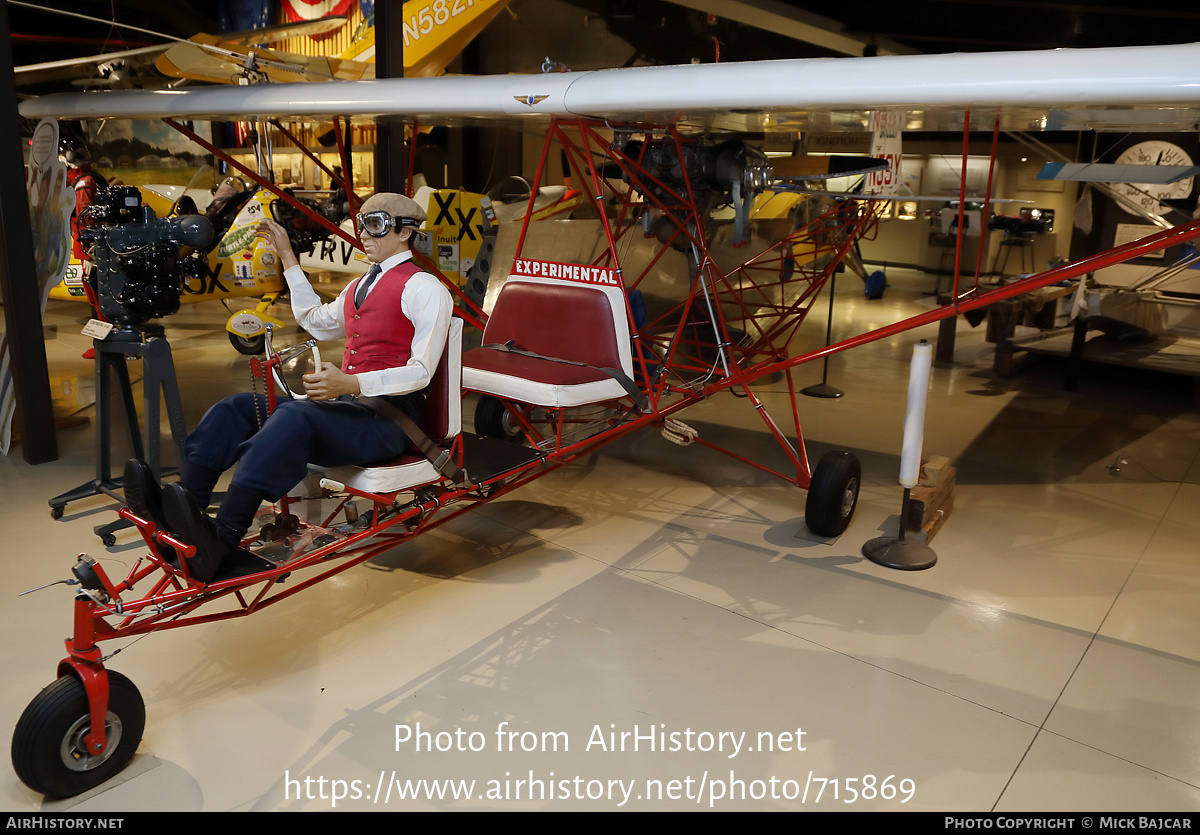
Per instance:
x=237, y=511
x=143, y=495
x=197, y=528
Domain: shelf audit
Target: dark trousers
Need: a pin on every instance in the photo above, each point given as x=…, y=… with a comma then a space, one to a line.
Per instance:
x=274, y=458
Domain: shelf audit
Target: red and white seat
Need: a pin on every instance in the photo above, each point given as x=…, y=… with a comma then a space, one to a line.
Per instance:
x=569, y=320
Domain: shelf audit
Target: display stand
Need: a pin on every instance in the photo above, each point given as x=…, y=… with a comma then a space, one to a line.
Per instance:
x=158, y=380
x=823, y=389
x=901, y=551
x=1023, y=244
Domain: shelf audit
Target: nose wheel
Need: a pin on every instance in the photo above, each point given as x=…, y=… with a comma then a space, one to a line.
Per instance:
x=248, y=345
x=49, y=751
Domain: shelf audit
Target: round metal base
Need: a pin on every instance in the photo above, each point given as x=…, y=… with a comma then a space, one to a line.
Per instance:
x=822, y=390
x=902, y=554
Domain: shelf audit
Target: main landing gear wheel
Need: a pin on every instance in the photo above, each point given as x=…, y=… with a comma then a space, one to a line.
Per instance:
x=494, y=421
x=48, y=751
x=251, y=346
x=833, y=493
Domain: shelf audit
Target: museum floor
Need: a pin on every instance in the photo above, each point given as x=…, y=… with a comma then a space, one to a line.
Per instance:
x=1049, y=661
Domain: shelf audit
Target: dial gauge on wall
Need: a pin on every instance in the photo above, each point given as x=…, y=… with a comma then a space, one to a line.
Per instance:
x=1150, y=195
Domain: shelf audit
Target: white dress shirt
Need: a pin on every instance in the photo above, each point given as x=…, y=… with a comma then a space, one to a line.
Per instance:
x=425, y=302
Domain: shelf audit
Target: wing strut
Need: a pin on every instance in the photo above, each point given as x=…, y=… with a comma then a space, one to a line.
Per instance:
x=987, y=202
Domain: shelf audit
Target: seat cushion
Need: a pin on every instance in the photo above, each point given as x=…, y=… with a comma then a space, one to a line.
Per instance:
x=554, y=318
x=536, y=381
x=407, y=471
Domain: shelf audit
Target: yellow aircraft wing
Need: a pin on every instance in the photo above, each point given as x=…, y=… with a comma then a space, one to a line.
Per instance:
x=435, y=32
x=207, y=58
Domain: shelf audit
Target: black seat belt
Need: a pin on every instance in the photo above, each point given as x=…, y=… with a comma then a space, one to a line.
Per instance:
x=441, y=459
x=635, y=394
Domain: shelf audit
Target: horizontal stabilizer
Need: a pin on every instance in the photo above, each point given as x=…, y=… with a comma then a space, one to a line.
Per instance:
x=1095, y=172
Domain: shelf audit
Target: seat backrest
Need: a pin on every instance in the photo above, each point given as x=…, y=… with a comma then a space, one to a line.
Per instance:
x=442, y=418
x=564, y=319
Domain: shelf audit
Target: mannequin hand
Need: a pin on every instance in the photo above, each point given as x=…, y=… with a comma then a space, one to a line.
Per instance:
x=275, y=238
x=329, y=383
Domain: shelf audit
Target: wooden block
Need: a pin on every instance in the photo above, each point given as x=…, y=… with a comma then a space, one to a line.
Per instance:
x=932, y=500
x=933, y=497
x=927, y=517
x=932, y=469
x=939, y=518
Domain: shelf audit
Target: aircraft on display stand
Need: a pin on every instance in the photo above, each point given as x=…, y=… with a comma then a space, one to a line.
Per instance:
x=581, y=349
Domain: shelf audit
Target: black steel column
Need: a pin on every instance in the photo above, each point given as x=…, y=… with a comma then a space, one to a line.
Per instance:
x=391, y=155
x=18, y=281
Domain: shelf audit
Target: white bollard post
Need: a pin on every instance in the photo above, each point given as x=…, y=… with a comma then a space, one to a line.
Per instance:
x=899, y=552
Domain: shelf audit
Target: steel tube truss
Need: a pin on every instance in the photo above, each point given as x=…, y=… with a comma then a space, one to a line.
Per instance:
x=651, y=185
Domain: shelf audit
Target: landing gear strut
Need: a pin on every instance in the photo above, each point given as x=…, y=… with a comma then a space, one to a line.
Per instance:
x=50, y=752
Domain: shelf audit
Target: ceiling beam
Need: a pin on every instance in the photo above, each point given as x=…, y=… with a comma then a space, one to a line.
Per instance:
x=782, y=19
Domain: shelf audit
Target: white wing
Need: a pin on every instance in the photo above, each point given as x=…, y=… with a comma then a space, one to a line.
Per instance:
x=1029, y=90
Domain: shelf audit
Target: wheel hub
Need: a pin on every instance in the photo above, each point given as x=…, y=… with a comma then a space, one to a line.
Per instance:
x=74, y=751
x=512, y=427
x=849, y=497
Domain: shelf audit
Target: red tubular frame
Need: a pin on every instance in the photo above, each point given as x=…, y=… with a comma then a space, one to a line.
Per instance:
x=174, y=597
x=467, y=308
x=271, y=187
x=767, y=295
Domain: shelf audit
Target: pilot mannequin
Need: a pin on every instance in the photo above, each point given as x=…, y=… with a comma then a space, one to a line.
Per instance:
x=395, y=320
x=86, y=181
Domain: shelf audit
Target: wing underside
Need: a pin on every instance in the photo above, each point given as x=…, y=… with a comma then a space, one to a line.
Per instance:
x=1117, y=88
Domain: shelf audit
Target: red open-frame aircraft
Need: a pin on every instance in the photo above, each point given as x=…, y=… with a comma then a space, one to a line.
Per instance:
x=731, y=328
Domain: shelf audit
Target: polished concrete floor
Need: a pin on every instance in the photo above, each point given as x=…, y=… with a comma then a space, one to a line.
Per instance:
x=1049, y=661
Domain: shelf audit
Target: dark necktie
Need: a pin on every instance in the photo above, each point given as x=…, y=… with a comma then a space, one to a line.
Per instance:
x=364, y=284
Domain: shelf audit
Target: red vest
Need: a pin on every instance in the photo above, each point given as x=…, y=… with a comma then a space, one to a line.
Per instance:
x=378, y=334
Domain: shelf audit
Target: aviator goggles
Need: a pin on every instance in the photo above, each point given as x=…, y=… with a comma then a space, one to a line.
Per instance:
x=378, y=224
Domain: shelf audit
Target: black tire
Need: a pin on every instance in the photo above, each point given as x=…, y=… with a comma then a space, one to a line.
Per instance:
x=47, y=742
x=833, y=493
x=251, y=346
x=494, y=421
